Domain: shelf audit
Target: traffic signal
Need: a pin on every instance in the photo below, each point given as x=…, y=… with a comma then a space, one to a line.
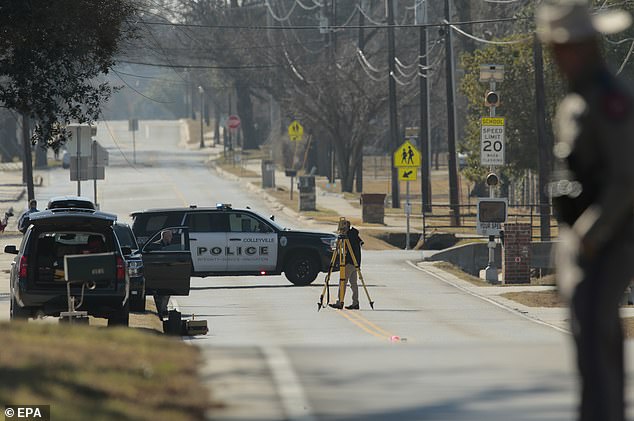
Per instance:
x=492, y=99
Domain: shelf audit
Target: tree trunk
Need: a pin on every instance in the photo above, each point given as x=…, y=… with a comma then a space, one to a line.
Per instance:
x=245, y=112
x=359, y=173
x=27, y=161
x=40, y=156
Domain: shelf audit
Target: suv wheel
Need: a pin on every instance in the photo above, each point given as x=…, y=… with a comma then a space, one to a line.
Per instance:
x=137, y=302
x=120, y=317
x=301, y=269
x=17, y=312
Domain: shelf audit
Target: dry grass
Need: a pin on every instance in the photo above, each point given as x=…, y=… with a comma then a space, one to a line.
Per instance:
x=100, y=374
x=536, y=298
x=454, y=270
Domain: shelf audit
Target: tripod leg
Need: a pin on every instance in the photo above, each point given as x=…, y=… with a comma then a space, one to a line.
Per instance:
x=358, y=269
x=326, y=289
x=342, y=272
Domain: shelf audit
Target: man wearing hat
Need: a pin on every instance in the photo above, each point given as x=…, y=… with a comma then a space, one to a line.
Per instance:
x=593, y=195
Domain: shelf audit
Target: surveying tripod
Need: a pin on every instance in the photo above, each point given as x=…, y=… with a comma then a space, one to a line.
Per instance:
x=341, y=250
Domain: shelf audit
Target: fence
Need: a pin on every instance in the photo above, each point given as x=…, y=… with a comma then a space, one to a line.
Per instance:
x=441, y=219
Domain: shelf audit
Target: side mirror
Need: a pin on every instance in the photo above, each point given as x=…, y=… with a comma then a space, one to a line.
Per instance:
x=126, y=250
x=10, y=249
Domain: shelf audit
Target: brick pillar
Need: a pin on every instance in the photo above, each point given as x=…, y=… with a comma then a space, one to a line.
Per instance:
x=516, y=253
x=373, y=207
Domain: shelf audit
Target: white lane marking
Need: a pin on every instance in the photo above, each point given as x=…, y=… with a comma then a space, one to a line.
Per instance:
x=289, y=388
x=489, y=300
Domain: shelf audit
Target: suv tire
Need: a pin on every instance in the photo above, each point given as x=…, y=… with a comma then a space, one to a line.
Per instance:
x=120, y=317
x=301, y=269
x=18, y=313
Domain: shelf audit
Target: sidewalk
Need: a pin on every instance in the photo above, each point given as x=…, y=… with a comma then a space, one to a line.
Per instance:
x=334, y=202
x=12, y=194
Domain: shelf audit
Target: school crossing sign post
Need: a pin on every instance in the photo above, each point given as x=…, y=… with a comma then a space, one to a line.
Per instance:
x=407, y=160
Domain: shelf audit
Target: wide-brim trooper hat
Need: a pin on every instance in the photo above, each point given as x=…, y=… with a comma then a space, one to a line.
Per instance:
x=569, y=21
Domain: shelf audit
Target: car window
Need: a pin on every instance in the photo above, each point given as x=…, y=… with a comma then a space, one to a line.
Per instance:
x=51, y=247
x=158, y=221
x=242, y=222
x=207, y=222
x=170, y=239
x=125, y=236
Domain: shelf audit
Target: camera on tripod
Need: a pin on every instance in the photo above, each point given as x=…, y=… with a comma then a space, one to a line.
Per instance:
x=342, y=228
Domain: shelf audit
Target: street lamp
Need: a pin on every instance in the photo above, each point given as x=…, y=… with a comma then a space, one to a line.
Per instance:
x=202, y=108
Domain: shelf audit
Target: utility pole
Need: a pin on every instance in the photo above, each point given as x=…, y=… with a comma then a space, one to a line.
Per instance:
x=396, y=203
x=424, y=132
x=454, y=200
x=361, y=45
x=542, y=143
x=201, y=91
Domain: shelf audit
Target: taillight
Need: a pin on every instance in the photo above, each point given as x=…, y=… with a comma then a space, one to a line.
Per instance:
x=120, y=269
x=23, y=273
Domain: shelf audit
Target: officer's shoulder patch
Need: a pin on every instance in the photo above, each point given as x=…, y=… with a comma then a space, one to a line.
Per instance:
x=615, y=105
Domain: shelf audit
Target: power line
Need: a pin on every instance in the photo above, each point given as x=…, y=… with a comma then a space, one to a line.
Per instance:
x=138, y=92
x=202, y=66
x=335, y=27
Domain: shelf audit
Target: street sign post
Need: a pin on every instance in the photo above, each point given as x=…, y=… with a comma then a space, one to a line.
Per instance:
x=295, y=131
x=133, y=126
x=233, y=122
x=492, y=141
x=407, y=159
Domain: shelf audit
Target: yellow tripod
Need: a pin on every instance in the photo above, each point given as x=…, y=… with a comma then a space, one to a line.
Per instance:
x=342, y=248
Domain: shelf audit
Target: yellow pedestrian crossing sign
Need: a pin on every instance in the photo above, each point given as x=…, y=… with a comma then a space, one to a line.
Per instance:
x=407, y=173
x=407, y=156
x=295, y=131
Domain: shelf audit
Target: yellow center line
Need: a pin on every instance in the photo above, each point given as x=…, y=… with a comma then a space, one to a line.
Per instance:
x=368, y=322
x=366, y=325
x=361, y=325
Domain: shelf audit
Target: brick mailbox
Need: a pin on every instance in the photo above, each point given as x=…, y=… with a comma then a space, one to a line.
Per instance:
x=516, y=253
x=373, y=207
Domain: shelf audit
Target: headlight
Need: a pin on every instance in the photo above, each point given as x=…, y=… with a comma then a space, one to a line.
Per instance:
x=331, y=242
x=135, y=268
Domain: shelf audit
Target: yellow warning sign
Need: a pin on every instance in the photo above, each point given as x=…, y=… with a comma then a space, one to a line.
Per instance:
x=493, y=121
x=407, y=156
x=295, y=131
x=407, y=173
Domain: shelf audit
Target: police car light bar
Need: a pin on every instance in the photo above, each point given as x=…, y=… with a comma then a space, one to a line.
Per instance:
x=223, y=205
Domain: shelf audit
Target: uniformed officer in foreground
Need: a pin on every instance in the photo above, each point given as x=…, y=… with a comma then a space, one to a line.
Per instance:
x=593, y=195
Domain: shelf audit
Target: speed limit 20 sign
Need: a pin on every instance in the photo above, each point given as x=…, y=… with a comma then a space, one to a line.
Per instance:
x=492, y=141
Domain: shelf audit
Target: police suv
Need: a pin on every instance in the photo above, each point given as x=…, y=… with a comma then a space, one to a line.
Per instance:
x=225, y=241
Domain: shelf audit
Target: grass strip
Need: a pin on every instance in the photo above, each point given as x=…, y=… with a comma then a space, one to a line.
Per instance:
x=87, y=372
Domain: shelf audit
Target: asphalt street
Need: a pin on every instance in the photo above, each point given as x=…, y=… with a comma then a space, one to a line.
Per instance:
x=428, y=351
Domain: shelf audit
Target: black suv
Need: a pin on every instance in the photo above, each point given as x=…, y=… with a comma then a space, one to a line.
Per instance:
x=226, y=241
x=37, y=276
x=134, y=263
